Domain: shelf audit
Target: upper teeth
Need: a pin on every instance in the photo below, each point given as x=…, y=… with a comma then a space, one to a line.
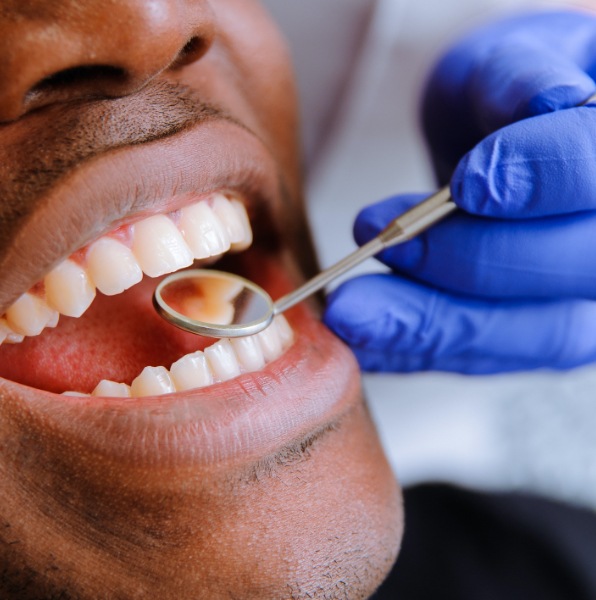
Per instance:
x=155, y=246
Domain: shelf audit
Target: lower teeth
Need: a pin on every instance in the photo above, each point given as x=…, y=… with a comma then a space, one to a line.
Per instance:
x=220, y=362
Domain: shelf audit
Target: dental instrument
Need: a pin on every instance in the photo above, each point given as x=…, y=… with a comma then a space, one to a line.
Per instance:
x=217, y=304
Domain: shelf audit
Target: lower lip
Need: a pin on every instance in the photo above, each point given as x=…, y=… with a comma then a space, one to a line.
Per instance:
x=249, y=417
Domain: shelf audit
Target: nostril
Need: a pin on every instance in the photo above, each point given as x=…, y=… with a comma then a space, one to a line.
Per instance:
x=85, y=77
x=81, y=82
x=86, y=81
x=192, y=51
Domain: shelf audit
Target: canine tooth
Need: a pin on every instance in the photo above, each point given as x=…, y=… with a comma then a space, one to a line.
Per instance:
x=29, y=315
x=111, y=389
x=246, y=239
x=249, y=353
x=69, y=289
x=203, y=230
x=75, y=394
x=284, y=331
x=153, y=381
x=191, y=371
x=222, y=360
x=270, y=342
x=112, y=266
x=159, y=247
x=229, y=217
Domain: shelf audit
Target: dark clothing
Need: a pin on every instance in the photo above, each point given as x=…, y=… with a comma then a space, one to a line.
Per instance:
x=462, y=545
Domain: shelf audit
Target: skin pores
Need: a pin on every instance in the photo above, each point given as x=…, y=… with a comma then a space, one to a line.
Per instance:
x=269, y=485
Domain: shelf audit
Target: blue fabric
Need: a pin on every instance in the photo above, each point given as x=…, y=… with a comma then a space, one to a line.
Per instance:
x=509, y=282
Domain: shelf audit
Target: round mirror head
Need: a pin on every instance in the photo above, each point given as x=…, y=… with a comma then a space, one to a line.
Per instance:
x=213, y=303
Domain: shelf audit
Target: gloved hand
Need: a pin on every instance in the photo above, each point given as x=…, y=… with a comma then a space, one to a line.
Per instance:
x=512, y=284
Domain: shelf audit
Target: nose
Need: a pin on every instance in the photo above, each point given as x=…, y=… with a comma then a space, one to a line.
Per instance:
x=66, y=50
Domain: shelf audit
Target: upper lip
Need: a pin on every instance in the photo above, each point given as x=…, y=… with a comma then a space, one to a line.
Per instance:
x=129, y=177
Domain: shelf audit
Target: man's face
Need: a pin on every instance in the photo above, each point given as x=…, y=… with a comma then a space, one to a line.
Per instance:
x=132, y=134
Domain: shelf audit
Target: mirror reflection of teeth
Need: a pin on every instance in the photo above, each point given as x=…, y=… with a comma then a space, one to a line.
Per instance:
x=209, y=310
x=212, y=301
x=222, y=361
x=159, y=244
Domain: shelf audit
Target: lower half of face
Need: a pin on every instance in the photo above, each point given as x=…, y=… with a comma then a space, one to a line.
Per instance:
x=140, y=461
x=316, y=518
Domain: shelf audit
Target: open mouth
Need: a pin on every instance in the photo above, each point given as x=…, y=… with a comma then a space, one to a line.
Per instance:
x=138, y=213
x=106, y=276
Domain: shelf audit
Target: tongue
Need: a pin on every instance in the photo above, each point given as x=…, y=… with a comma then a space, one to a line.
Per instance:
x=115, y=339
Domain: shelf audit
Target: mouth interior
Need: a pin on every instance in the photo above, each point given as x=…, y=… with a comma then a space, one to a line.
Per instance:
x=119, y=335
x=115, y=339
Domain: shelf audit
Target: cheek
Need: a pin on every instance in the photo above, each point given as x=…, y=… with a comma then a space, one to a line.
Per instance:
x=326, y=526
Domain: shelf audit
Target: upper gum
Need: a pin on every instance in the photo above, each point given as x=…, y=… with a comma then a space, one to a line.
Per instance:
x=123, y=233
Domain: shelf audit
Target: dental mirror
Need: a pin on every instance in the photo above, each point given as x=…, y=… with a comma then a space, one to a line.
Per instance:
x=217, y=304
x=213, y=303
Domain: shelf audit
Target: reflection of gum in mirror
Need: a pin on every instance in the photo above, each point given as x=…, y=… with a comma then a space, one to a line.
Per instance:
x=206, y=299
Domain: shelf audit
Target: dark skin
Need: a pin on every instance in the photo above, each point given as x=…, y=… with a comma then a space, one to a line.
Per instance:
x=273, y=485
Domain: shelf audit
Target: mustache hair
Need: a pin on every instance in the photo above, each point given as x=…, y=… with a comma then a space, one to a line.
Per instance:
x=46, y=145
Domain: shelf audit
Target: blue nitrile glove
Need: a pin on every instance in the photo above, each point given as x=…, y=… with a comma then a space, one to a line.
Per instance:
x=515, y=287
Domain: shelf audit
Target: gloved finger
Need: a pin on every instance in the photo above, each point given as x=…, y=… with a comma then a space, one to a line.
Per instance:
x=393, y=324
x=553, y=257
x=536, y=167
x=524, y=80
x=506, y=71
